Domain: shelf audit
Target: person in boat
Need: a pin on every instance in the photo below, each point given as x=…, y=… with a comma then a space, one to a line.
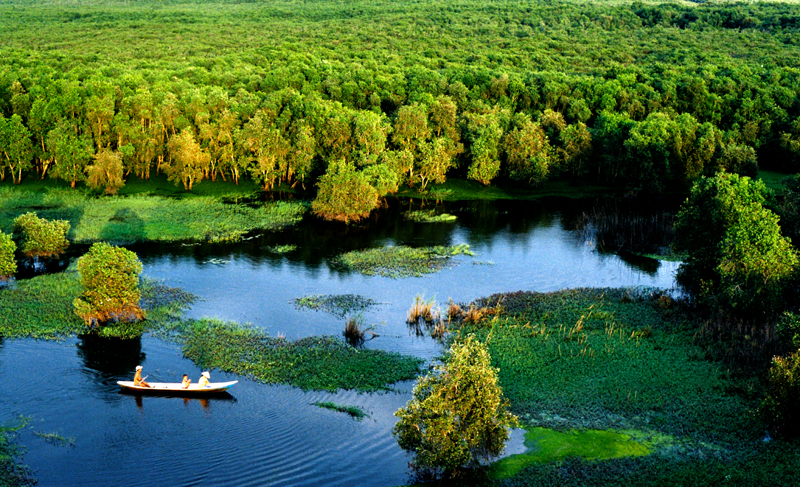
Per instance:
x=186, y=381
x=137, y=378
x=204, y=379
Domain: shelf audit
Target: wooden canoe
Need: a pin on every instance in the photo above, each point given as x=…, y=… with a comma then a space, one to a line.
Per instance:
x=177, y=388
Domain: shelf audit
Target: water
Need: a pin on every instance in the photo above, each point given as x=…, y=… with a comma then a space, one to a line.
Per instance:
x=274, y=435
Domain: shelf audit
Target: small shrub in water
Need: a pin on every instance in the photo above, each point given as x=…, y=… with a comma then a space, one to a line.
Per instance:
x=8, y=266
x=110, y=278
x=353, y=332
x=783, y=395
x=40, y=237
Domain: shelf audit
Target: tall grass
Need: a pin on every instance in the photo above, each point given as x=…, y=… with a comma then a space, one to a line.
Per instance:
x=614, y=228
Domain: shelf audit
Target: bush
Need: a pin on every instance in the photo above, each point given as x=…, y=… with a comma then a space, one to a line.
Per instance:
x=344, y=194
x=110, y=278
x=8, y=266
x=107, y=172
x=40, y=237
x=783, y=395
x=458, y=416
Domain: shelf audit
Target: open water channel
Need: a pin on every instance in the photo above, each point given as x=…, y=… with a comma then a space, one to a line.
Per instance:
x=274, y=435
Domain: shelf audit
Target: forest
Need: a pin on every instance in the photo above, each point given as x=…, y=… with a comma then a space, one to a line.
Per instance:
x=354, y=100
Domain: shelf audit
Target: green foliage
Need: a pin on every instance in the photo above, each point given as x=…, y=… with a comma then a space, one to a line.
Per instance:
x=344, y=194
x=356, y=413
x=528, y=151
x=41, y=307
x=401, y=261
x=458, y=416
x=737, y=258
x=149, y=218
x=106, y=172
x=8, y=265
x=783, y=395
x=110, y=279
x=340, y=305
x=12, y=473
x=320, y=363
x=429, y=216
x=40, y=237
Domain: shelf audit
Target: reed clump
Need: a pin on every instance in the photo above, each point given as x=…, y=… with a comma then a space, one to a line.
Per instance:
x=422, y=311
x=355, y=331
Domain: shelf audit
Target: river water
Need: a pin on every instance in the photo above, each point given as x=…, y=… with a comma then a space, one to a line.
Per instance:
x=274, y=435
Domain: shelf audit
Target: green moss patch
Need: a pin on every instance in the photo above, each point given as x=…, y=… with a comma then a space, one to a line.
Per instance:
x=547, y=445
x=340, y=305
x=353, y=411
x=319, y=363
x=401, y=261
x=141, y=218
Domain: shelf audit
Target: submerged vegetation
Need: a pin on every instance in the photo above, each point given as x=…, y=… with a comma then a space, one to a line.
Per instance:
x=356, y=413
x=12, y=473
x=128, y=219
x=401, y=261
x=340, y=305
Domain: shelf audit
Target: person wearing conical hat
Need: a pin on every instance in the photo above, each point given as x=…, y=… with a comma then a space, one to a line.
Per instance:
x=137, y=378
x=204, y=379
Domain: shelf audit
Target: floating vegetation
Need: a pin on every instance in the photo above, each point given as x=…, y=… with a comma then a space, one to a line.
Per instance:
x=401, y=261
x=140, y=218
x=546, y=445
x=282, y=249
x=483, y=262
x=12, y=473
x=56, y=439
x=340, y=305
x=320, y=363
x=353, y=411
x=428, y=216
x=217, y=261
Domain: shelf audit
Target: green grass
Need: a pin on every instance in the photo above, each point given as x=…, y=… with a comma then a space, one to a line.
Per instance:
x=142, y=217
x=773, y=180
x=340, y=305
x=546, y=445
x=626, y=361
x=353, y=411
x=318, y=363
x=401, y=261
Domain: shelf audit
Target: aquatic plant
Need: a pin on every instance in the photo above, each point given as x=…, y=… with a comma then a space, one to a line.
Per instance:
x=40, y=237
x=401, y=261
x=55, y=439
x=340, y=305
x=320, y=363
x=356, y=413
x=13, y=473
x=139, y=218
x=428, y=216
x=612, y=227
x=8, y=265
x=282, y=249
x=422, y=310
x=110, y=279
x=355, y=331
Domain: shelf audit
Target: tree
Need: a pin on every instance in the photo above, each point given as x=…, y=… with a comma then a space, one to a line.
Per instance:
x=737, y=259
x=106, y=172
x=40, y=237
x=71, y=153
x=8, y=266
x=528, y=152
x=458, y=415
x=110, y=279
x=16, y=148
x=484, y=134
x=783, y=395
x=188, y=160
x=344, y=194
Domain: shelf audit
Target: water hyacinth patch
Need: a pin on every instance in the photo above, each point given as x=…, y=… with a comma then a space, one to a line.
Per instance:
x=313, y=363
x=401, y=261
x=340, y=305
x=356, y=413
x=282, y=249
x=429, y=216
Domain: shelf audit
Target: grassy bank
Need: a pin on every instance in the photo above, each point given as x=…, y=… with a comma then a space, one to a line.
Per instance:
x=626, y=362
x=147, y=217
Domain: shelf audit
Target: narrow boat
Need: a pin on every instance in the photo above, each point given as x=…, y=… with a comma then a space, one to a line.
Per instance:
x=177, y=387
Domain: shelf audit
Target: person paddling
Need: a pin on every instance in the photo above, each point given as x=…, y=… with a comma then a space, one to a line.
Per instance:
x=137, y=378
x=204, y=380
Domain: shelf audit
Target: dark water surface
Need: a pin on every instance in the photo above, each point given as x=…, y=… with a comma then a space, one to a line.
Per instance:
x=274, y=435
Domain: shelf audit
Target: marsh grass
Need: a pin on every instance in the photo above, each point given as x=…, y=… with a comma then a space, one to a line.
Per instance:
x=429, y=216
x=340, y=305
x=401, y=261
x=319, y=363
x=618, y=360
x=614, y=228
x=56, y=439
x=138, y=218
x=356, y=331
x=354, y=412
x=423, y=311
